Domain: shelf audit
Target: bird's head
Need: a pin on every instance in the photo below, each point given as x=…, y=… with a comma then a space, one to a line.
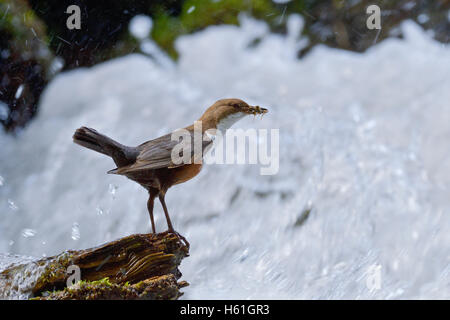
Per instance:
x=225, y=112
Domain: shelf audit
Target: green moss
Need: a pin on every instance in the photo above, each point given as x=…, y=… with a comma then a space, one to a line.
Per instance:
x=20, y=21
x=166, y=30
x=105, y=281
x=55, y=270
x=161, y=287
x=199, y=14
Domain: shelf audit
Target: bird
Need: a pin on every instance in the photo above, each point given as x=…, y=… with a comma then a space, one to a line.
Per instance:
x=151, y=163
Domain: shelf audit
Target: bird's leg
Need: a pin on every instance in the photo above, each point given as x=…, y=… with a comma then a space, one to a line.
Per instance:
x=169, y=223
x=163, y=203
x=150, y=204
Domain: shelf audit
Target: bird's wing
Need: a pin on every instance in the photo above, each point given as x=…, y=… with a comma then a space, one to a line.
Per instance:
x=157, y=153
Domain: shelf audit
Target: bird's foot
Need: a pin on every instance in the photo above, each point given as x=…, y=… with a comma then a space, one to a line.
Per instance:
x=179, y=236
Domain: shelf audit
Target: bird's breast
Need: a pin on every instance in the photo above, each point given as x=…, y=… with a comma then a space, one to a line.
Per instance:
x=185, y=173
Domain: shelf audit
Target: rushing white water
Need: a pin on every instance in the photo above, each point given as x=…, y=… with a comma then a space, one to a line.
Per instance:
x=364, y=144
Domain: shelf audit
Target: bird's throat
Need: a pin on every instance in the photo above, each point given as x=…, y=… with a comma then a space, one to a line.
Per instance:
x=226, y=122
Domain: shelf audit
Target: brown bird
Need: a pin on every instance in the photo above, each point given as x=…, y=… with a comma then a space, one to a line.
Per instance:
x=151, y=165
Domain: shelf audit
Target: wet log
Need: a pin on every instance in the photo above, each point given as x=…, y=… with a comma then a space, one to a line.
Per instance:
x=140, y=266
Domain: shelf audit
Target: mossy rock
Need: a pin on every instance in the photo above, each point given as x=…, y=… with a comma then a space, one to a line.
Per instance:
x=163, y=287
x=140, y=266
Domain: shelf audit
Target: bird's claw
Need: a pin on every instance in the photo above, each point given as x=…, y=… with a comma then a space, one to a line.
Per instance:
x=180, y=237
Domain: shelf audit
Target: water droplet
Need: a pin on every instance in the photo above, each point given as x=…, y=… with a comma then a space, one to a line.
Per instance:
x=75, y=231
x=12, y=205
x=19, y=91
x=99, y=211
x=423, y=18
x=2, y=181
x=56, y=65
x=4, y=111
x=140, y=26
x=27, y=233
x=112, y=190
x=11, y=242
x=191, y=9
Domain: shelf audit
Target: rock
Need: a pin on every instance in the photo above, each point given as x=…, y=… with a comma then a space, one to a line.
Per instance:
x=140, y=266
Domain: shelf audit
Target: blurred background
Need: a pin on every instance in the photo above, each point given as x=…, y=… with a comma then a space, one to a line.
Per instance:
x=363, y=117
x=33, y=33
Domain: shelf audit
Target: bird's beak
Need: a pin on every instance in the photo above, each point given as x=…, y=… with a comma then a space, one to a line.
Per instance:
x=257, y=110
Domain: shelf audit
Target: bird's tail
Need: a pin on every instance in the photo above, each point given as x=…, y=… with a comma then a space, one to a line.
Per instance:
x=93, y=140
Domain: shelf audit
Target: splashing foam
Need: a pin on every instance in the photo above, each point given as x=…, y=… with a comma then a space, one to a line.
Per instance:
x=363, y=146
